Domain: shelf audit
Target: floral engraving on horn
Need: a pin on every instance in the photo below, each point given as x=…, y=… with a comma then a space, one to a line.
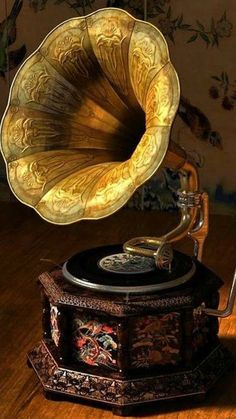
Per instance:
x=147, y=55
x=35, y=83
x=40, y=171
x=150, y=149
x=31, y=176
x=64, y=199
x=36, y=174
x=142, y=62
x=19, y=134
x=71, y=194
x=32, y=132
x=107, y=190
x=70, y=53
x=162, y=97
x=109, y=43
x=42, y=85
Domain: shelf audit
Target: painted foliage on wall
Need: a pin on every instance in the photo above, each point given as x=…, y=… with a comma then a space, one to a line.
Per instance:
x=201, y=38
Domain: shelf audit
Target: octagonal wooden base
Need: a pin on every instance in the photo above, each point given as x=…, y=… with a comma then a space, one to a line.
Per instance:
x=122, y=395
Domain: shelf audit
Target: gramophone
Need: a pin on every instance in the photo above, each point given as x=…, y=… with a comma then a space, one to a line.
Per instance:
x=88, y=122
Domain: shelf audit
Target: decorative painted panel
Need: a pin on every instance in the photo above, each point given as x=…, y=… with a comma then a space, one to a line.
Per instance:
x=204, y=331
x=55, y=332
x=95, y=340
x=155, y=340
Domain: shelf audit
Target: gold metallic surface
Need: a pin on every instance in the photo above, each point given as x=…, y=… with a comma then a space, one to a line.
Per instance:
x=89, y=117
x=189, y=215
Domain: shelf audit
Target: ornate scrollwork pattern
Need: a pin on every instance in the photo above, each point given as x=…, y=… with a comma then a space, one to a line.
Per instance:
x=147, y=55
x=162, y=97
x=30, y=132
x=111, y=46
x=71, y=54
x=133, y=391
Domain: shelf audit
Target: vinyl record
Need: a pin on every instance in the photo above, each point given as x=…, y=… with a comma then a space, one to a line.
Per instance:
x=90, y=269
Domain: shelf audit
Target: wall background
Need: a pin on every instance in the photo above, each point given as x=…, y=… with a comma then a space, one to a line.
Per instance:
x=201, y=37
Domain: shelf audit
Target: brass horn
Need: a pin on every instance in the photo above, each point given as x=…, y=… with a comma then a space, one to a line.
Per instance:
x=88, y=121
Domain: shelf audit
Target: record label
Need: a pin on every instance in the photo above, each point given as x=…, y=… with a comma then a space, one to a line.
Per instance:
x=124, y=263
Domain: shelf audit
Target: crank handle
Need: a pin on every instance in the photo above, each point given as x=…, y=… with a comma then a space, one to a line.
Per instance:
x=229, y=307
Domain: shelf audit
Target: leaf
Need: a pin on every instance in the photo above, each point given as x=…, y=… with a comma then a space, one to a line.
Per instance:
x=212, y=25
x=74, y=5
x=215, y=40
x=226, y=78
x=205, y=37
x=159, y=9
x=38, y=6
x=193, y=38
x=180, y=19
x=168, y=12
x=171, y=37
x=200, y=25
x=216, y=78
x=185, y=26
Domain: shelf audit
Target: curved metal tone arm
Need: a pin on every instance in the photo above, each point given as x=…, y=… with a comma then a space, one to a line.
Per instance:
x=192, y=213
x=227, y=311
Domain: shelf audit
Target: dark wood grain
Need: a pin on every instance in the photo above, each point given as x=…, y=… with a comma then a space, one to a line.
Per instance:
x=25, y=239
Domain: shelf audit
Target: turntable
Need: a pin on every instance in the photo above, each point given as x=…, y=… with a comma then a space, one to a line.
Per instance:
x=88, y=122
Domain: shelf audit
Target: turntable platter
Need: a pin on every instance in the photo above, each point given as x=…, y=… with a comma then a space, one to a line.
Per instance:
x=109, y=269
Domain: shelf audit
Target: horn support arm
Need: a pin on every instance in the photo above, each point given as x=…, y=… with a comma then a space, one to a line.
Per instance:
x=193, y=207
